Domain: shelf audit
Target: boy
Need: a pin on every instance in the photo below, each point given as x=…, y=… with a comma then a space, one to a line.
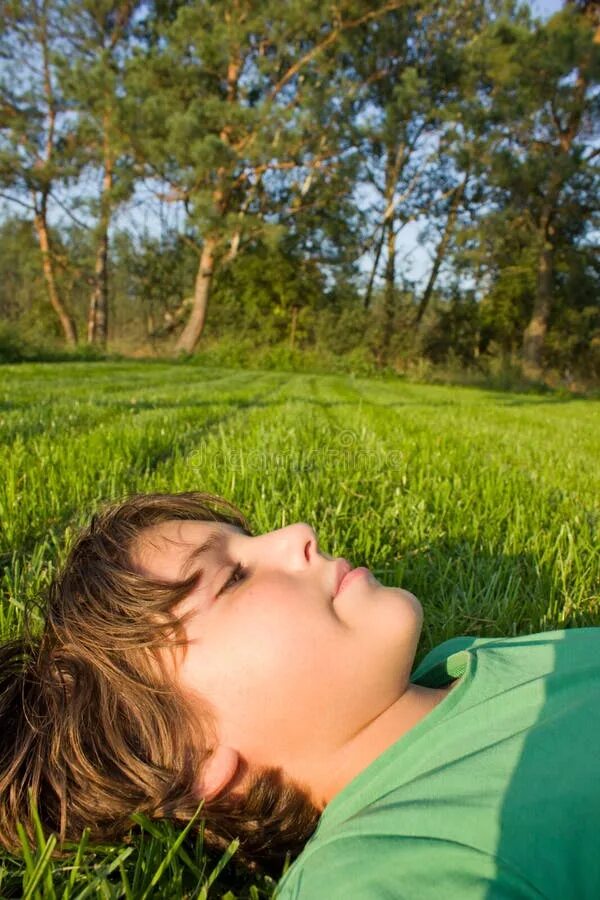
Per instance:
x=288, y=704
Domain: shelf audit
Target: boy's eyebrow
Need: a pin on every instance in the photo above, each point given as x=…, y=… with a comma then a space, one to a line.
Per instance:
x=214, y=540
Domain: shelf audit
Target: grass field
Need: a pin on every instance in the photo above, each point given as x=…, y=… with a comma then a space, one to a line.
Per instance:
x=484, y=504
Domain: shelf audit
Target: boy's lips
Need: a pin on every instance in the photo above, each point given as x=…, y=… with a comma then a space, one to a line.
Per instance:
x=345, y=573
x=359, y=572
x=342, y=567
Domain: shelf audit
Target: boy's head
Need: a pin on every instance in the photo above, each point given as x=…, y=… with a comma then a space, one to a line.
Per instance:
x=183, y=659
x=91, y=720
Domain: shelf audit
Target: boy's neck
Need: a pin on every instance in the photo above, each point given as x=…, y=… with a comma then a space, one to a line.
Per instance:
x=416, y=703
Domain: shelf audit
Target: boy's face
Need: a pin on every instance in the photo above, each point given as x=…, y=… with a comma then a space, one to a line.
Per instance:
x=292, y=671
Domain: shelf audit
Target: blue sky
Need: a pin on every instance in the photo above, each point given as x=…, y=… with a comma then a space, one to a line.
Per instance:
x=544, y=8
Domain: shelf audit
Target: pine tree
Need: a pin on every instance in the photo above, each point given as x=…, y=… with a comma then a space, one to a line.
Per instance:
x=36, y=141
x=97, y=36
x=227, y=96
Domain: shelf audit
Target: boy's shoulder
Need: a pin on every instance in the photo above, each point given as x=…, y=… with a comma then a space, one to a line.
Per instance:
x=439, y=659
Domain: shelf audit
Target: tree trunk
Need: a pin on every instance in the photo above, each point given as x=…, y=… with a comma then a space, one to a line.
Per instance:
x=441, y=248
x=66, y=321
x=294, y=323
x=369, y=291
x=535, y=333
x=389, y=297
x=191, y=333
x=98, y=309
x=533, y=337
x=394, y=164
x=97, y=326
x=39, y=202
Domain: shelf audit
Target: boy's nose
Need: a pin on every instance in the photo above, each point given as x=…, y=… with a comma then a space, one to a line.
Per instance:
x=299, y=544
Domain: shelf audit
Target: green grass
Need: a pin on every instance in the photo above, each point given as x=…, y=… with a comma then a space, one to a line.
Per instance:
x=483, y=503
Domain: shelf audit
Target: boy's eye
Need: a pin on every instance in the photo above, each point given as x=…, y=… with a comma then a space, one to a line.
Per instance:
x=238, y=574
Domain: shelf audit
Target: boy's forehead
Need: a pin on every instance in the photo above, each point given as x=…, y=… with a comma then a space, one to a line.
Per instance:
x=162, y=549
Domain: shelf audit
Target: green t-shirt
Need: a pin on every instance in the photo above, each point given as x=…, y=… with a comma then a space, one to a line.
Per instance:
x=494, y=794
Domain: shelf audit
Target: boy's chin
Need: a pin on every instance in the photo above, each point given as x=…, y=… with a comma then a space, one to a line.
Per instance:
x=409, y=598
x=404, y=592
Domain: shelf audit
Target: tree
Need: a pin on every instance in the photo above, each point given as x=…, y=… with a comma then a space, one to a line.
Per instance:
x=544, y=169
x=411, y=64
x=35, y=135
x=98, y=34
x=226, y=94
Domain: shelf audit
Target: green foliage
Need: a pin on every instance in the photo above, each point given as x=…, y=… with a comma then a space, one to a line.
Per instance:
x=151, y=278
x=543, y=183
x=301, y=139
x=257, y=292
x=244, y=353
x=344, y=329
x=12, y=346
x=23, y=299
x=455, y=334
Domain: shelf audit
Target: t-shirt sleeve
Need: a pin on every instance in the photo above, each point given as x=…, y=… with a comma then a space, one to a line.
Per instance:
x=381, y=867
x=443, y=651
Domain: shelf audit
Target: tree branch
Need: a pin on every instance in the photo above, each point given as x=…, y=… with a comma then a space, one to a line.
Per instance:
x=20, y=202
x=331, y=39
x=68, y=211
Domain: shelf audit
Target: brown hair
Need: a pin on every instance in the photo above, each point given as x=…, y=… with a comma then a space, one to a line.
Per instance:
x=96, y=731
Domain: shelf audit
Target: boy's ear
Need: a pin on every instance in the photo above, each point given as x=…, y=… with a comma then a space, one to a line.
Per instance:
x=219, y=770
